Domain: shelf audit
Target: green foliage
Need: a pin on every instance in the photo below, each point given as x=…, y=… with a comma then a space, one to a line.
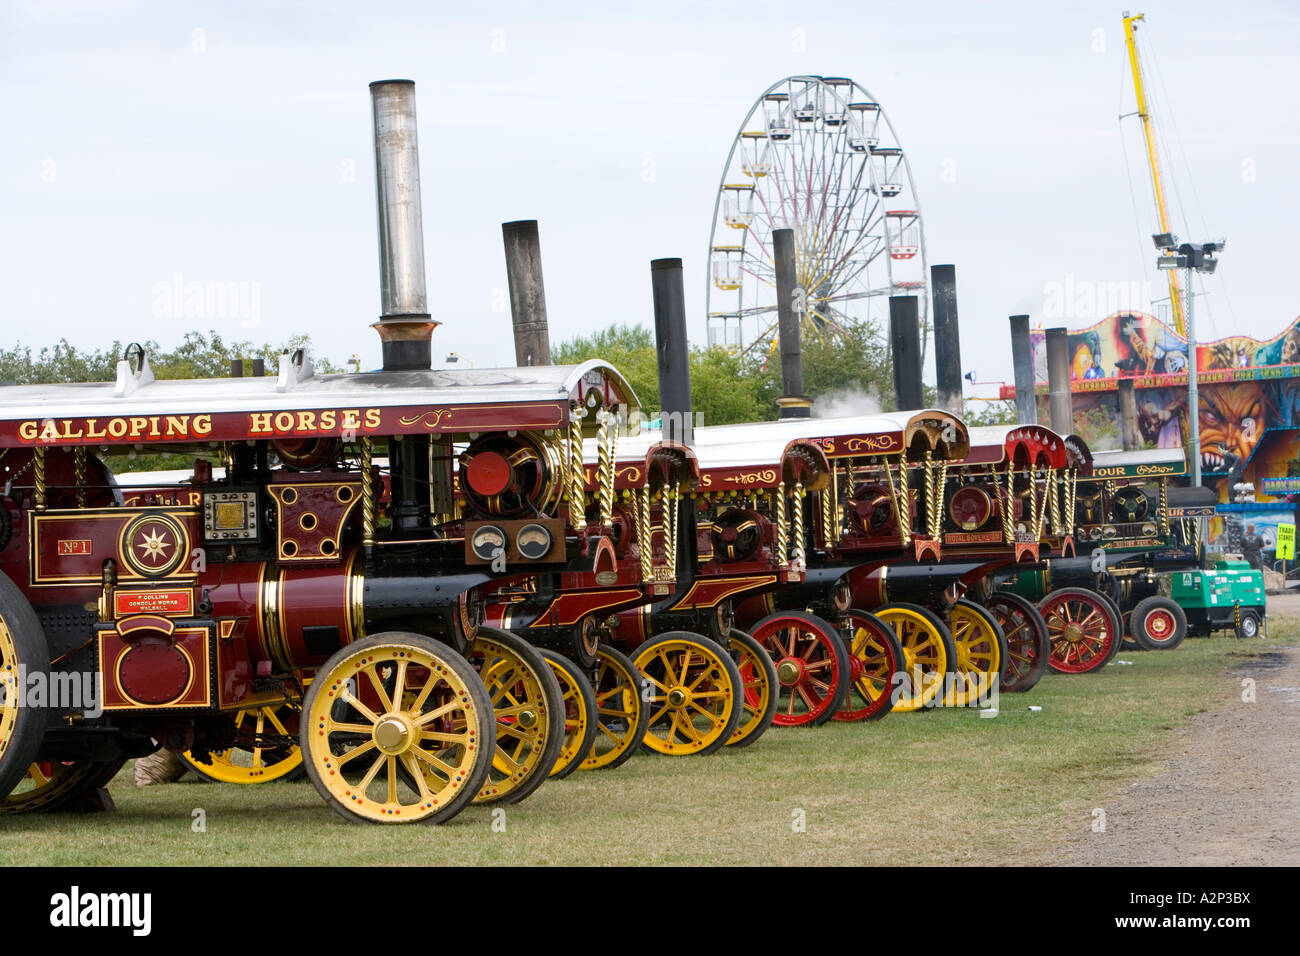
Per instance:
x=990, y=413
x=198, y=356
x=727, y=387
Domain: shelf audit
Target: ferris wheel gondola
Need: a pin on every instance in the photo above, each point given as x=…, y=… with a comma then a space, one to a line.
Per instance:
x=817, y=155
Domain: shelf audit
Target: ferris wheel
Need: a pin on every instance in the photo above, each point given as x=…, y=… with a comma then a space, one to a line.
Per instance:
x=819, y=156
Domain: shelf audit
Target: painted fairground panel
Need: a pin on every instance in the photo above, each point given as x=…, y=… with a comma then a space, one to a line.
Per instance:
x=1249, y=394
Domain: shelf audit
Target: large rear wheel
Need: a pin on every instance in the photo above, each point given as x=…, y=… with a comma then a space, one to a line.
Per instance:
x=49, y=787
x=23, y=653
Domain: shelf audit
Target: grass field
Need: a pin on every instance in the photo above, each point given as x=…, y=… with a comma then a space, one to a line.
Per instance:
x=935, y=788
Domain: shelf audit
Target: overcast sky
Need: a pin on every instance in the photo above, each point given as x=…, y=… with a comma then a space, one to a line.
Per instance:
x=146, y=146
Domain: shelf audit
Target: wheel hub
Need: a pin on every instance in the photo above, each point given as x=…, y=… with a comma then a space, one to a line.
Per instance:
x=393, y=734
x=678, y=696
x=789, y=671
x=527, y=719
x=1073, y=632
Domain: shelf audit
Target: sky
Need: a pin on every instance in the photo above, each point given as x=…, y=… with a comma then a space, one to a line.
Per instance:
x=146, y=147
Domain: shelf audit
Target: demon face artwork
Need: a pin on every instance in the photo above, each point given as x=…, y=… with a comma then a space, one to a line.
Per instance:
x=1232, y=421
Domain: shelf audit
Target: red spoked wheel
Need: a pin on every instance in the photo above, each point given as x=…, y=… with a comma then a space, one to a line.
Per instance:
x=1083, y=629
x=875, y=661
x=812, y=666
x=1028, y=644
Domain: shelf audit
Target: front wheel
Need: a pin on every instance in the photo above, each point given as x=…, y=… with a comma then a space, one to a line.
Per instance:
x=692, y=689
x=266, y=748
x=1084, y=630
x=397, y=728
x=1158, y=624
x=812, y=666
x=1028, y=645
x=981, y=650
x=929, y=655
x=621, y=714
x=758, y=687
x=579, y=714
x=875, y=663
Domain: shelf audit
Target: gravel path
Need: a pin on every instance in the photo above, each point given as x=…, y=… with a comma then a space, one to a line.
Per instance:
x=1230, y=795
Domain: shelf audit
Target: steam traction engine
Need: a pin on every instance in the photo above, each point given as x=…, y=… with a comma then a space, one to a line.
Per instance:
x=182, y=611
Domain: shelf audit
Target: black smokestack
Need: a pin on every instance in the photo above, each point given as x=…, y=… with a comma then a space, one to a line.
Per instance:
x=674, y=355
x=1058, y=381
x=404, y=326
x=527, y=293
x=905, y=341
x=947, y=338
x=1022, y=360
x=789, y=318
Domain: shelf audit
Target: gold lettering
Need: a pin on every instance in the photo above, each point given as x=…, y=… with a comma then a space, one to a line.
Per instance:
x=92, y=431
x=116, y=427
x=350, y=420
x=178, y=426
x=27, y=431
x=138, y=425
x=203, y=424
x=372, y=418
x=306, y=421
x=284, y=422
x=49, y=431
x=259, y=422
x=153, y=427
x=327, y=420
x=68, y=433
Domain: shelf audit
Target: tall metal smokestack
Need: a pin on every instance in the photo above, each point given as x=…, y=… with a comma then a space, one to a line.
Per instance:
x=1128, y=415
x=947, y=338
x=1022, y=360
x=905, y=340
x=793, y=402
x=1058, y=381
x=674, y=355
x=404, y=326
x=527, y=293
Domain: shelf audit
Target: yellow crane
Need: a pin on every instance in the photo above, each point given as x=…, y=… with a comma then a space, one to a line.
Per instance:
x=1162, y=212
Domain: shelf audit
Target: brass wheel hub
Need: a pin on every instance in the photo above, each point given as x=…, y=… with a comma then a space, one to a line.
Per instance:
x=527, y=719
x=393, y=734
x=678, y=696
x=789, y=671
x=1073, y=632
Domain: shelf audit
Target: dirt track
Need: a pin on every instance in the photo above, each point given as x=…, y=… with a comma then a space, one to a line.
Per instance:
x=1230, y=795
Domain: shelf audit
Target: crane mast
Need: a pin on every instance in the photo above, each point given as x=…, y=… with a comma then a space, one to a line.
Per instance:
x=1162, y=212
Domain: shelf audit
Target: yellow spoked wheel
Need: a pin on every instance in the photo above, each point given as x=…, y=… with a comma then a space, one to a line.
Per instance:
x=981, y=651
x=22, y=651
x=267, y=748
x=54, y=786
x=579, y=714
x=693, y=691
x=621, y=714
x=758, y=683
x=397, y=728
x=529, y=712
x=928, y=654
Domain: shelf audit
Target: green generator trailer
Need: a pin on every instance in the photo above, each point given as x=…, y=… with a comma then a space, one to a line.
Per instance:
x=1228, y=595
